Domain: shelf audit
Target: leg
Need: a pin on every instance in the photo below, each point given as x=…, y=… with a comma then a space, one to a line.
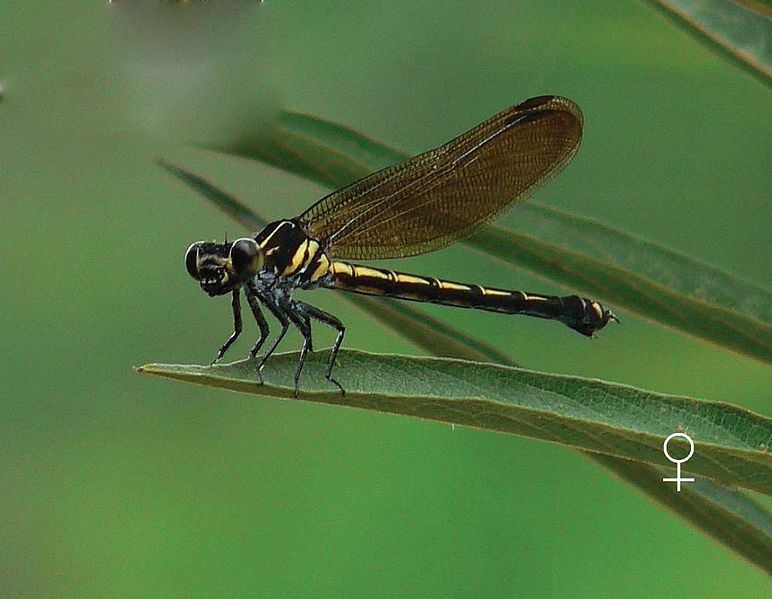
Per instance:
x=236, y=305
x=307, y=320
x=254, y=304
x=331, y=321
x=303, y=324
x=282, y=318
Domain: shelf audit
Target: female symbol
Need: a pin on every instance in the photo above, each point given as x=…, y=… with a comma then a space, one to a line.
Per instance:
x=678, y=480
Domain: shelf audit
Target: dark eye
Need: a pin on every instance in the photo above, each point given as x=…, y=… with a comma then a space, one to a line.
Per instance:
x=191, y=260
x=246, y=257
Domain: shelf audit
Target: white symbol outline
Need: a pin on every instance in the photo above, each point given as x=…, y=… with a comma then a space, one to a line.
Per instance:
x=678, y=480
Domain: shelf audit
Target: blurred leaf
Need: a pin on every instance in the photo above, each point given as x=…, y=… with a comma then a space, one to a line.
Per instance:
x=316, y=149
x=731, y=443
x=601, y=262
x=638, y=275
x=725, y=514
x=223, y=200
x=739, y=30
x=427, y=332
x=731, y=518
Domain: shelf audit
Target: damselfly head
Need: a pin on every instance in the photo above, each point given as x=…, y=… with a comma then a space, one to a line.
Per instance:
x=222, y=267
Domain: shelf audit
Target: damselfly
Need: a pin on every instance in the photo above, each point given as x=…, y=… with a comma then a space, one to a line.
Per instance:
x=418, y=206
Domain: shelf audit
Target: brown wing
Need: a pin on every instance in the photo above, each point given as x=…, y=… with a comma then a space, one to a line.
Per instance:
x=431, y=200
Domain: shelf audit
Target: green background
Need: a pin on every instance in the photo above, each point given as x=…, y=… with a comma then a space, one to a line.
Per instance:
x=115, y=485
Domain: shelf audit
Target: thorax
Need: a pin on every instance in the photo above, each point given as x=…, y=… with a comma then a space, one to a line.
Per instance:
x=291, y=255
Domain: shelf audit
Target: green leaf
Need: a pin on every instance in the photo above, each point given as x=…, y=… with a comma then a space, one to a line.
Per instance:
x=601, y=262
x=223, y=200
x=725, y=514
x=731, y=518
x=637, y=275
x=432, y=334
x=738, y=30
x=731, y=443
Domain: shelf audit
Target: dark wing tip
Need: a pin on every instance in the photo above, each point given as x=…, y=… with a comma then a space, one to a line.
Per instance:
x=551, y=103
x=536, y=102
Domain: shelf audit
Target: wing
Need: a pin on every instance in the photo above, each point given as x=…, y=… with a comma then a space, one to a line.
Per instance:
x=431, y=200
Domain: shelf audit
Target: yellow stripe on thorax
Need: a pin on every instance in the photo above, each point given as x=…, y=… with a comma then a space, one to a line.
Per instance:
x=322, y=268
x=267, y=241
x=302, y=257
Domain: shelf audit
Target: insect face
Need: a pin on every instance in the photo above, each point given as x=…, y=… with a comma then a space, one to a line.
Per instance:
x=222, y=267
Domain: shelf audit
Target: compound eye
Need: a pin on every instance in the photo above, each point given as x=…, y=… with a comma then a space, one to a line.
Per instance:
x=191, y=260
x=246, y=257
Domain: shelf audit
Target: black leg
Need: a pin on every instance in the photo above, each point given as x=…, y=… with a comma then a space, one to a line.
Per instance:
x=307, y=320
x=282, y=318
x=236, y=305
x=330, y=320
x=254, y=304
x=303, y=324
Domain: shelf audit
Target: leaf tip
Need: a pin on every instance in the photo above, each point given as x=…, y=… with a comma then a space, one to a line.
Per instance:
x=149, y=369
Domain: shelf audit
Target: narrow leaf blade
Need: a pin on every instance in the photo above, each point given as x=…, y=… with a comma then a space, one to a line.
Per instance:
x=736, y=30
x=728, y=516
x=224, y=201
x=586, y=414
x=429, y=333
x=687, y=302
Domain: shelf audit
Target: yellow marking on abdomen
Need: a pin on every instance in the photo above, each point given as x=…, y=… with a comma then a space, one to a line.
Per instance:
x=342, y=268
x=365, y=271
x=403, y=278
x=453, y=286
x=495, y=292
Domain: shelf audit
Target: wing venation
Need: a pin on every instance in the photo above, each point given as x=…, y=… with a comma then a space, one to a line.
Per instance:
x=431, y=200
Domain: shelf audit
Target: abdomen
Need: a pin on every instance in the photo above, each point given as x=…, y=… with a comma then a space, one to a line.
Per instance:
x=581, y=314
